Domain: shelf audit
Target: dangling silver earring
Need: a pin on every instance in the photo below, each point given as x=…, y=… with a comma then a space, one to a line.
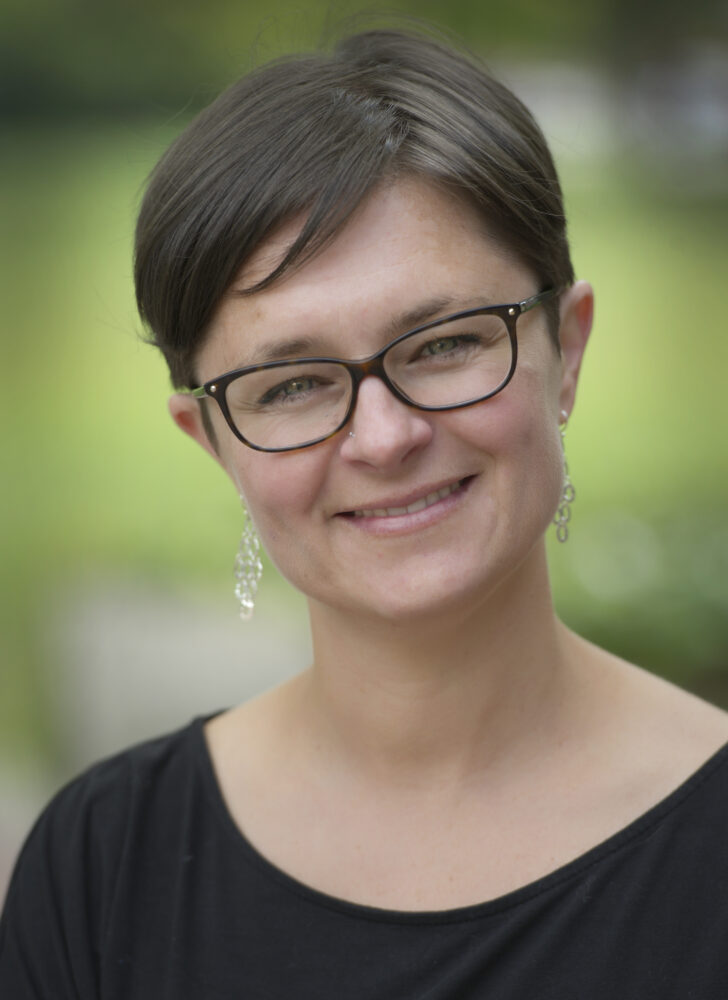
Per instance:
x=568, y=493
x=248, y=567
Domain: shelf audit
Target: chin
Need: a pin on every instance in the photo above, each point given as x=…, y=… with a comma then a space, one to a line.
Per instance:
x=496, y=579
x=422, y=597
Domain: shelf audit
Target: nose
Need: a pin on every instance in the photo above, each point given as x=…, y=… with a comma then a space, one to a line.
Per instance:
x=383, y=431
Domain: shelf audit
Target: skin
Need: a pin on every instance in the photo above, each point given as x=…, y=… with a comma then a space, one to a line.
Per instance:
x=446, y=704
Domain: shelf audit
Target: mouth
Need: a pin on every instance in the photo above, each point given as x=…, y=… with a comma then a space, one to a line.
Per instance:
x=421, y=503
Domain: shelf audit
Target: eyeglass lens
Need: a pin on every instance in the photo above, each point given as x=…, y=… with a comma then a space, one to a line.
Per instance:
x=453, y=363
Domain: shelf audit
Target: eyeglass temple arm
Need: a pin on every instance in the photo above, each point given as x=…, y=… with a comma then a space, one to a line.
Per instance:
x=536, y=300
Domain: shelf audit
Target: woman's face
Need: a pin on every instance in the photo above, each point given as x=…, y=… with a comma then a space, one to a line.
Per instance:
x=409, y=249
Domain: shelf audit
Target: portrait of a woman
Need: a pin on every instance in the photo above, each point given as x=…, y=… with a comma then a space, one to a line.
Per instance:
x=356, y=266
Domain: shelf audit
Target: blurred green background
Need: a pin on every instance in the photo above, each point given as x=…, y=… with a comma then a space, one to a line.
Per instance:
x=99, y=491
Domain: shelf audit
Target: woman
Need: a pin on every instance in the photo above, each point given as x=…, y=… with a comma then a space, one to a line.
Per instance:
x=356, y=266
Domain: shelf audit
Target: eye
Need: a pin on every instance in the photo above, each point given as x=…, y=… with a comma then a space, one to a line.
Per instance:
x=454, y=344
x=306, y=389
x=290, y=389
x=441, y=346
x=295, y=386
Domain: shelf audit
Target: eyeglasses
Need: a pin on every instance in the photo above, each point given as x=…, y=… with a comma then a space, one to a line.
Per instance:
x=446, y=364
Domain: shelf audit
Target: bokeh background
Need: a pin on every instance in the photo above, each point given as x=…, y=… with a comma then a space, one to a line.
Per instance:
x=118, y=535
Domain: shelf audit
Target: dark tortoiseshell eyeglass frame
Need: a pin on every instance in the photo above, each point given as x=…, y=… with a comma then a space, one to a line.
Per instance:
x=216, y=388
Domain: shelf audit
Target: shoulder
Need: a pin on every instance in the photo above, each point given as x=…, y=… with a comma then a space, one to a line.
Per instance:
x=107, y=794
x=653, y=734
x=680, y=725
x=88, y=821
x=81, y=835
x=69, y=873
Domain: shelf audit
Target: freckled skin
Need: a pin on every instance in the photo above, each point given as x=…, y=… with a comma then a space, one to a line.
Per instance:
x=407, y=243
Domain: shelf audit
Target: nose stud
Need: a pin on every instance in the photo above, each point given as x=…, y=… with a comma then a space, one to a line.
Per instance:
x=352, y=434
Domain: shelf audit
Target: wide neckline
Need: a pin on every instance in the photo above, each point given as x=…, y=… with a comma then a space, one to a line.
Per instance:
x=600, y=852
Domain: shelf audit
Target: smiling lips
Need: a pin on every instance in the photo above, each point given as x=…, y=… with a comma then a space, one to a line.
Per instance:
x=412, y=508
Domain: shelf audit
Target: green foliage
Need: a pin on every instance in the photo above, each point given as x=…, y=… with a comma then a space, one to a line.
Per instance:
x=160, y=56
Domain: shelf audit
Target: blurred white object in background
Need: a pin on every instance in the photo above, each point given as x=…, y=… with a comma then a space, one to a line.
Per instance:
x=128, y=661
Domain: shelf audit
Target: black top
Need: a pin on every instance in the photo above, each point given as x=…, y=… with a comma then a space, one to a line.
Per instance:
x=136, y=883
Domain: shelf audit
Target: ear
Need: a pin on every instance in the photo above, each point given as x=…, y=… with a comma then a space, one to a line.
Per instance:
x=187, y=414
x=577, y=314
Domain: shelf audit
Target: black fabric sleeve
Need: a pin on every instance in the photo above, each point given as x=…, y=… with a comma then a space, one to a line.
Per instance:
x=52, y=926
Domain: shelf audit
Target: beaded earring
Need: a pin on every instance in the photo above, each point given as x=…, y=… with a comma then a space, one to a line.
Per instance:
x=248, y=567
x=568, y=493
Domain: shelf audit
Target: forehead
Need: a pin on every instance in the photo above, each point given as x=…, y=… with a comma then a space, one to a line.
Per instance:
x=386, y=222
x=408, y=243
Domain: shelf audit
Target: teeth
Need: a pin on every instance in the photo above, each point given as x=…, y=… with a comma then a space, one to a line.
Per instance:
x=410, y=508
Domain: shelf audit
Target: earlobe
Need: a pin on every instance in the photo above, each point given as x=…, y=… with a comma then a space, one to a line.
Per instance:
x=577, y=314
x=186, y=413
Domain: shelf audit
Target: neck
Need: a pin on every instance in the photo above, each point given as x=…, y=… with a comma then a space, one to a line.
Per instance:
x=442, y=698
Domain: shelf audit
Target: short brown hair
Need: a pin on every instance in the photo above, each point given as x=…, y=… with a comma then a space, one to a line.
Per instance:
x=315, y=134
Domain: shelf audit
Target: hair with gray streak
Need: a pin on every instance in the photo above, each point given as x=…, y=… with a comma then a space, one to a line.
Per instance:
x=314, y=134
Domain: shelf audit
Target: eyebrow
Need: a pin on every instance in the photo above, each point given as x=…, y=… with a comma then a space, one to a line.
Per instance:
x=282, y=350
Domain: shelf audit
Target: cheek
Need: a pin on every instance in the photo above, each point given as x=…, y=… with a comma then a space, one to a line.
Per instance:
x=519, y=422
x=280, y=491
x=518, y=431
x=536, y=470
